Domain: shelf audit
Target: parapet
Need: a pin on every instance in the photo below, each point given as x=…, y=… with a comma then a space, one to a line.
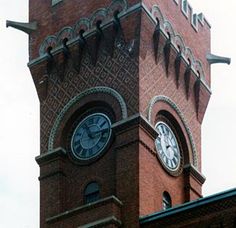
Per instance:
x=189, y=31
x=196, y=19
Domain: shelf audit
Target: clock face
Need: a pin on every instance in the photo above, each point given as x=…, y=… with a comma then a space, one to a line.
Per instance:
x=91, y=136
x=167, y=147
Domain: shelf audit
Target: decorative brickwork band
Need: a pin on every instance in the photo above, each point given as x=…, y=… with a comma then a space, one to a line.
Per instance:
x=167, y=100
x=102, y=14
x=76, y=99
x=177, y=41
x=105, y=15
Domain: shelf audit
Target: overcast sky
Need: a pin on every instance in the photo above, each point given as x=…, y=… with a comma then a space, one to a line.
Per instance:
x=19, y=114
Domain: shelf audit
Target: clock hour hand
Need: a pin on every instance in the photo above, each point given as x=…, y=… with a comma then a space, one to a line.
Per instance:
x=88, y=130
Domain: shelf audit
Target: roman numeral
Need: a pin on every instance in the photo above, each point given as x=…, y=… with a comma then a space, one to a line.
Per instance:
x=77, y=146
x=104, y=138
x=82, y=153
x=89, y=152
x=175, y=160
x=173, y=164
x=77, y=138
x=170, y=136
x=102, y=124
x=90, y=121
x=96, y=148
x=76, y=142
x=100, y=143
x=164, y=158
x=159, y=146
x=174, y=146
x=96, y=119
x=176, y=153
x=162, y=129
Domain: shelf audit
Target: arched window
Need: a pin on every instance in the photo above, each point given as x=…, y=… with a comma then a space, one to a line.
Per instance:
x=166, y=201
x=91, y=192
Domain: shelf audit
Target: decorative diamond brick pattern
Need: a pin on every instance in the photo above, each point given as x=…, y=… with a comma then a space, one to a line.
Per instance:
x=119, y=73
x=153, y=82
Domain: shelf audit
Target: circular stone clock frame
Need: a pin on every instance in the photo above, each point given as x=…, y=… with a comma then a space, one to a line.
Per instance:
x=90, y=138
x=168, y=147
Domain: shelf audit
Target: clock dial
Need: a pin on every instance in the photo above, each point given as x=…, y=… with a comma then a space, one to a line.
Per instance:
x=91, y=136
x=167, y=146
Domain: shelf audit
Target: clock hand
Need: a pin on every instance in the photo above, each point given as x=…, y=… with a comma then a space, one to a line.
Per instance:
x=168, y=151
x=166, y=139
x=100, y=130
x=88, y=130
x=94, y=133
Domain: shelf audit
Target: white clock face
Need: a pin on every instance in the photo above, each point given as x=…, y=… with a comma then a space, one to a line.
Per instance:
x=167, y=147
x=91, y=136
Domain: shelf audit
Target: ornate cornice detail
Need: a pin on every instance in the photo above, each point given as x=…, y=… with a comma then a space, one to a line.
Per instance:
x=76, y=99
x=167, y=100
x=178, y=43
x=71, y=32
x=106, y=15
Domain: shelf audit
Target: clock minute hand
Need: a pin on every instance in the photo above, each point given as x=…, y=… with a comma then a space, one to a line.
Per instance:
x=94, y=133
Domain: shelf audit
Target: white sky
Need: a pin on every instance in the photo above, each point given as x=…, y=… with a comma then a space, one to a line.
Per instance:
x=19, y=114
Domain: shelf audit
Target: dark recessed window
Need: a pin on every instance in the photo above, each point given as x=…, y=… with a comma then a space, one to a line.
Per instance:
x=91, y=192
x=166, y=201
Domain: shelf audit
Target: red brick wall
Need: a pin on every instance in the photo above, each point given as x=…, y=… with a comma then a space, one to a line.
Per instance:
x=52, y=19
x=127, y=176
x=154, y=81
x=128, y=170
x=198, y=41
x=154, y=180
x=119, y=73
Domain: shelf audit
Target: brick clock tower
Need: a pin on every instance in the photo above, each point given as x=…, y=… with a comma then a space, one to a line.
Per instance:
x=123, y=87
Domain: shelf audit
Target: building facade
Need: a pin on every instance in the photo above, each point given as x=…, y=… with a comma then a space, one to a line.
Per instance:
x=123, y=88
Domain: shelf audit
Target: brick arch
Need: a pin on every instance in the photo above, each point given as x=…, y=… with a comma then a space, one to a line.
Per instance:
x=156, y=13
x=120, y=5
x=50, y=41
x=66, y=32
x=151, y=119
x=77, y=99
x=199, y=68
x=100, y=14
x=168, y=28
x=82, y=24
x=179, y=42
x=189, y=55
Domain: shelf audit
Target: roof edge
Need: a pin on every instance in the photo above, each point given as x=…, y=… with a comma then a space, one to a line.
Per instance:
x=189, y=205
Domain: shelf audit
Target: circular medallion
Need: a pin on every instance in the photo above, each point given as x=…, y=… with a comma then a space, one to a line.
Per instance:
x=167, y=147
x=91, y=136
